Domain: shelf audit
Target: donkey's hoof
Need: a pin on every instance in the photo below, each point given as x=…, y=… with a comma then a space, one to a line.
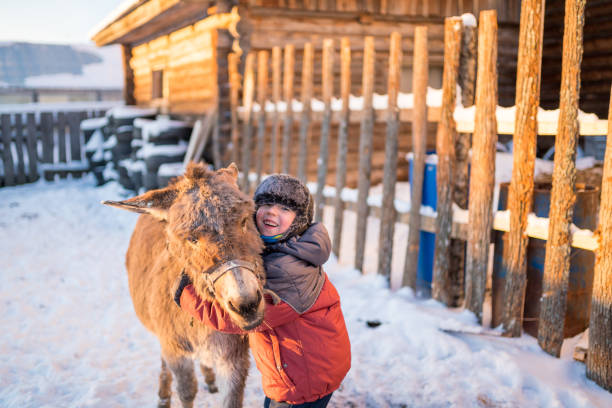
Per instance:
x=212, y=388
x=164, y=403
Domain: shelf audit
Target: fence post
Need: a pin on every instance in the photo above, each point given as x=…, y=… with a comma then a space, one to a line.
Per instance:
x=482, y=175
x=463, y=143
x=32, y=145
x=520, y=192
x=247, y=103
x=62, y=122
x=365, y=150
x=445, y=148
x=599, y=355
x=289, y=65
x=19, y=143
x=328, y=91
x=7, y=157
x=420, y=77
x=262, y=95
x=562, y=195
x=234, y=75
x=387, y=218
x=307, y=68
x=345, y=90
x=276, y=96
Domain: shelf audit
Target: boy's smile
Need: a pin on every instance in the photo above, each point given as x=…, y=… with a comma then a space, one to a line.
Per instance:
x=273, y=219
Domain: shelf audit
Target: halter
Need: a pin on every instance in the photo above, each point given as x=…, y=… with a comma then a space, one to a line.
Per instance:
x=212, y=274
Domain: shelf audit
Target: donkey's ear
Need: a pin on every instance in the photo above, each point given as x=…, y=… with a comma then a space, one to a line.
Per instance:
x=154, y=202
x=231, y=170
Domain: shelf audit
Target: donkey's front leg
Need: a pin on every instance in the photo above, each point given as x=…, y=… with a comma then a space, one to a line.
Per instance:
x=232, y=371
x=186, y=383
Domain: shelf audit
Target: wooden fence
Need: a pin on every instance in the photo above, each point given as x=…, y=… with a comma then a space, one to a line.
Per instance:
x=475, y=226
x=42, y=143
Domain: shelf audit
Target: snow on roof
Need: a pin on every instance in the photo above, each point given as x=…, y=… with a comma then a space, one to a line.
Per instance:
x=94, y=123
x=122, y=9
x=171, y=169
x=129, y=111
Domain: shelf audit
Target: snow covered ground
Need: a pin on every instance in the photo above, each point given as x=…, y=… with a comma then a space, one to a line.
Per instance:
x=70, y=337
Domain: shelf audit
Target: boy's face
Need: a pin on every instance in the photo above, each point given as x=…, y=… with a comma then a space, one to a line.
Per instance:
x=273, y=219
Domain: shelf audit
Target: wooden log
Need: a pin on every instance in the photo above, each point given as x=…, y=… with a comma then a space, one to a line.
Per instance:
x=247, y=102
x=233, y=60
x=467, y=65
x=276, y=97
x=387, y=219
x=307, y=79
x=128, y=75
x=19, y=143
x=562, y=195
x=599, y=360
x=262, y=96
x=463, y=144
x=445, y=147
x=345, y=91
x=32, y=143
x=482, y=175
x=420, y=77
x=7, y=155
x=289, y=64
x=520, y=192
x=61, y=138
x=216, y=142
x=365, y=150
x=328, y=91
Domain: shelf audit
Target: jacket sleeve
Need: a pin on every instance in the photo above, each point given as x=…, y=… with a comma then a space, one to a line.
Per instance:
x=313, y=246
x=215, y=317
x=209, y=313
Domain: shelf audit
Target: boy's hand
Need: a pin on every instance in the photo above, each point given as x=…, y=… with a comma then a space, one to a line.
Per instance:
x=178, y=287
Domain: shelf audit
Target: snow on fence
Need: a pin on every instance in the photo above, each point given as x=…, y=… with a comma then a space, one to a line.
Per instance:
x=485, y=121
x=44, y=139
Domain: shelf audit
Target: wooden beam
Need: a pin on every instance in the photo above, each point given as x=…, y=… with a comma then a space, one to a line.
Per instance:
x=520, y=192
x=599, y=361
x=482, y=176
x=445, y=148
x=345, y=91
x=387, y=218
x=365, y=150
x=562, y=197
x=420, y=75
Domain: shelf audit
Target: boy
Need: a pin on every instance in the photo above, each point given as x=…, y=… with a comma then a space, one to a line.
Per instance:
x=302, y=347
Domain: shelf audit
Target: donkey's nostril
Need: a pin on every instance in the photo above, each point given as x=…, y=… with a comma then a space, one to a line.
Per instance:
x=231, y=306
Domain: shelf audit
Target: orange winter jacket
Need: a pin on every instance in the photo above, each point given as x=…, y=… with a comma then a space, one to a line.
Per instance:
x=302, y=357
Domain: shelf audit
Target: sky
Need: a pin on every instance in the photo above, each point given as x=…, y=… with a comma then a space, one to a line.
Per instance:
x=58, y=21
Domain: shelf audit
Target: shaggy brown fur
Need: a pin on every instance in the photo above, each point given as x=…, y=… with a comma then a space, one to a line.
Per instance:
x=197, y=222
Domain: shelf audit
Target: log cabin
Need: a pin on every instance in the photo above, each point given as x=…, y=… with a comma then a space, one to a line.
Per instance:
x=175, y=52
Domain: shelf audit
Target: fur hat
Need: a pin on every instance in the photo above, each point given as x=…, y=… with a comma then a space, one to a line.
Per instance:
x=290, y=192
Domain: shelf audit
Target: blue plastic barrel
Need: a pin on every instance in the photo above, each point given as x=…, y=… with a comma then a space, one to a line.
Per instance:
x=427, y=239
x=581, y=263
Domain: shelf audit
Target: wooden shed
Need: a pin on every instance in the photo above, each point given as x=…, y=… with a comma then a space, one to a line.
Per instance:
x=175, y=51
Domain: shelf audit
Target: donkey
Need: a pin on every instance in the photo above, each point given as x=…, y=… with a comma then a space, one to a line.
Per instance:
x=200, y=225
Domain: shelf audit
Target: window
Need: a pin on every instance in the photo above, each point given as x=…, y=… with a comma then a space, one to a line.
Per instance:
x=157, y=84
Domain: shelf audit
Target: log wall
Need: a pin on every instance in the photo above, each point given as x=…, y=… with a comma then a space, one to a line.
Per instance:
x=188, y=60
x=596, y=71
